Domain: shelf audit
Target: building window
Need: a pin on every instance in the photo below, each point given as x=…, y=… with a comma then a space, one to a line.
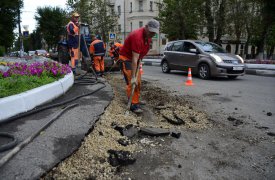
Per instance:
x=140, y=24
x=151, y=5
x=140, y=6
x=119, y=28
x=119, y=10
x=112, y=9
x=131, y=7
x=131, y=26
x=151, y=45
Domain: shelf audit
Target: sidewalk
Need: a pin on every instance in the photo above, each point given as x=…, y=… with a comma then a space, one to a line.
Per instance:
x=254, y=69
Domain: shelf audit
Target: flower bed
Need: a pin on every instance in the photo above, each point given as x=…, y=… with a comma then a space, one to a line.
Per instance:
x=20, y=77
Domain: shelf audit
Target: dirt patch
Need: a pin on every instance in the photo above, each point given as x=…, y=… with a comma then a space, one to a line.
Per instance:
x=200, y=148
x=91, y=160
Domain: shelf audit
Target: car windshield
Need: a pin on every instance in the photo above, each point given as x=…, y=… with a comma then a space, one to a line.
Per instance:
x=210, y=47
x=41, y=51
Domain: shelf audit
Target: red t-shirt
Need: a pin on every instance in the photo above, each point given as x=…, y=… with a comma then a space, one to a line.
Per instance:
x=136, y=42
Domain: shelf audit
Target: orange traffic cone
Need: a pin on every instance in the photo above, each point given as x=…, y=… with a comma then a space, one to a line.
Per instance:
x=189, y=78
x=141, y=70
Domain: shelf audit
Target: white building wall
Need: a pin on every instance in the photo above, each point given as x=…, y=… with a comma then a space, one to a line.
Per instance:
x=130, y=19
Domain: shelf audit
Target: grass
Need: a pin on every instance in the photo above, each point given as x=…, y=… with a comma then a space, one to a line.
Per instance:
x=18, y=84
x=20, y=77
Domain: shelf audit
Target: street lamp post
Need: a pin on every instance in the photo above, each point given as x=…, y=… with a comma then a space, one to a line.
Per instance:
x=20, y=34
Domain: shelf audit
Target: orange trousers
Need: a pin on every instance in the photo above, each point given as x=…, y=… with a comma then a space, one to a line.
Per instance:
x=99, y=64
x=126, y=68
x=74, y=57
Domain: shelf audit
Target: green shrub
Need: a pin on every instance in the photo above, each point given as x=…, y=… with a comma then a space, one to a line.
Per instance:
x=2, y=51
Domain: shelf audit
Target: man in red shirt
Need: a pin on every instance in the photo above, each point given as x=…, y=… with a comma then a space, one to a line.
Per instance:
x=135, y=47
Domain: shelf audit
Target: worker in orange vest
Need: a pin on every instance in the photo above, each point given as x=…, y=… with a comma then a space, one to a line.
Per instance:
x=73, y=40
x=114, y=50
x=97, y=51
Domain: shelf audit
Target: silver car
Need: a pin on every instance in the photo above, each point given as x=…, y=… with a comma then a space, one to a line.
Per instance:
x=206, y=59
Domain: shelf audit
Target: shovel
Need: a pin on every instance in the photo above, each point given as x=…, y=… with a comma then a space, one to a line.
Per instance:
x=133, y=89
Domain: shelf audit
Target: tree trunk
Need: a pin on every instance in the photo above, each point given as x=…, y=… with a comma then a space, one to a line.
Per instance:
x=247, y=56
x=271, y=50
x=210, y=20
x=237, y=48
x=221, y=21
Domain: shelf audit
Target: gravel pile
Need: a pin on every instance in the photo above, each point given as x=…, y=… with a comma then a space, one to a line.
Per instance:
x=91, y=160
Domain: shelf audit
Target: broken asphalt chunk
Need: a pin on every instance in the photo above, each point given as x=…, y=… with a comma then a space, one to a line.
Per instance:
x=130, y=131
x=271, y=133
x=237, y=122
x=176, y=135
x=154, y=131
x=176, y=121
x=120, y=158
x=193, y=119
x=123, y=142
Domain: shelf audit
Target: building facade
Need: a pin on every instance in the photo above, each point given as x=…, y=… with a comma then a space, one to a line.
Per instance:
x=133, y=14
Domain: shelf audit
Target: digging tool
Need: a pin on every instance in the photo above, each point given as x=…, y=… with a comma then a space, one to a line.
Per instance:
x=133, y=89
x=89, y=65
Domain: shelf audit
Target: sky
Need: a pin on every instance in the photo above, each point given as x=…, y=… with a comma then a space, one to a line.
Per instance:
x=29, y=9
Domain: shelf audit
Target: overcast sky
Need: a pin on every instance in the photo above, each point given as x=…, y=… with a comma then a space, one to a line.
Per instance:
x=30, y=7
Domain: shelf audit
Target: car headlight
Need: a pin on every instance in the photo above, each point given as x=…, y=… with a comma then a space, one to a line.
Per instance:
x=240, y=58
x=217, y=58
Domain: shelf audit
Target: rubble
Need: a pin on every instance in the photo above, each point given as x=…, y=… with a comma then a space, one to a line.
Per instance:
x=108, y=147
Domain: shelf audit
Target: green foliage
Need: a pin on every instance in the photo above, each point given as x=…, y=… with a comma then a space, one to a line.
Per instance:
x=17, y=84
x=101, y=20
x=180, y=19
x=51, y=23
x=2, y=50
x=9, y=11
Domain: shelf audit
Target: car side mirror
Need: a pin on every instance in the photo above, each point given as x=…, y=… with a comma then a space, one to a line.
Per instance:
x=193, y=51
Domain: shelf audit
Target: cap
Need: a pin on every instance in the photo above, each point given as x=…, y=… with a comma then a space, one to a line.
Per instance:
x=153, y=26
x=75, y=14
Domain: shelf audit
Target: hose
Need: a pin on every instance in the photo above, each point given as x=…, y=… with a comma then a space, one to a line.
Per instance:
x=10, y=144
x=8, y=156
x=82, y=80
x=54, y=105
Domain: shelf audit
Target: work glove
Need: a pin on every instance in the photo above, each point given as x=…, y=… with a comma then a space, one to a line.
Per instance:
x=133, y=81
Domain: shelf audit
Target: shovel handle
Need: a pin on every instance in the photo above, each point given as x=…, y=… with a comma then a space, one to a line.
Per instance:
x=133, y=88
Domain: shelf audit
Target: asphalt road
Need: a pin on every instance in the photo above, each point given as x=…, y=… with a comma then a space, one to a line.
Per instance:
x=248, y=96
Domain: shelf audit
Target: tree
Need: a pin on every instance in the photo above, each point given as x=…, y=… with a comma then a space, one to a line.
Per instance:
x=51, y=23
x=268, y=21
x=102, y=18
x=238, y=9
x=97, y=13
x=81, y=7
x=180, y=19
x=215, y=15
x=8, y=21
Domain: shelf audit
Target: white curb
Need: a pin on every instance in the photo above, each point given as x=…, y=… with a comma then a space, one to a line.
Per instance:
x=23, y=102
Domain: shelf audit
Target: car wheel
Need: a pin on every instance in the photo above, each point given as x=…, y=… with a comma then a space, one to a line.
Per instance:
x=204, y=71
x=232, y=77
x=165, y=67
